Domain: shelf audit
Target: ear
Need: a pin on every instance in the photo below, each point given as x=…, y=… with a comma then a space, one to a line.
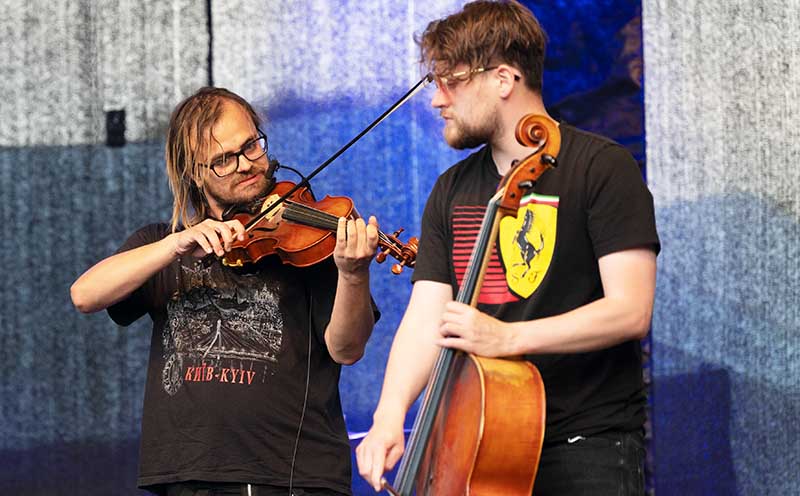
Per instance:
x=200, y=181
x=508, y=78
x=197, y=183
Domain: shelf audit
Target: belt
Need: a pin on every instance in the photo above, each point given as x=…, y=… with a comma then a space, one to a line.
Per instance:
x=222, y=489
x=237, y=489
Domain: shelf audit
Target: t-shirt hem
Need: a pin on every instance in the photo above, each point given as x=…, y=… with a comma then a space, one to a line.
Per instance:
x=431, y=277
x=654, y=245
x=149, y=482
x=591, y=431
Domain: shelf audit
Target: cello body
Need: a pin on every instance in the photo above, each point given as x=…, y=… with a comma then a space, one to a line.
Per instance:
x=490, y=426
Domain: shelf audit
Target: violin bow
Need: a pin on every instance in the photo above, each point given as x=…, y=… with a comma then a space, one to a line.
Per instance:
x=305, y=182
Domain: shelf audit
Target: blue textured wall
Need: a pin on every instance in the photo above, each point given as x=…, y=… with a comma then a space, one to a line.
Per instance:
x=722, y=114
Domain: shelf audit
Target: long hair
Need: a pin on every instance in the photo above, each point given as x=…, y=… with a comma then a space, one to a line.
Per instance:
x=189, y=140
x=486, y=33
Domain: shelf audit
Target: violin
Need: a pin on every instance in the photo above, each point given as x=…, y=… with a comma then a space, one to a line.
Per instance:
x=303, y=233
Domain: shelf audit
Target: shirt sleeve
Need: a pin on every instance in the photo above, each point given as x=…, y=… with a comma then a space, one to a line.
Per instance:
x=142, y=300
x=433, y=253
x=619, y=206
x=321, y=279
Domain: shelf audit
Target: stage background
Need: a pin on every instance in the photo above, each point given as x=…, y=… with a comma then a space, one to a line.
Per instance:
x=722, y=113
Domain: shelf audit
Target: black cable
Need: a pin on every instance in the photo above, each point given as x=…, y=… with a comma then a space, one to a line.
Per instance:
x=303, y=178
x=305, y=395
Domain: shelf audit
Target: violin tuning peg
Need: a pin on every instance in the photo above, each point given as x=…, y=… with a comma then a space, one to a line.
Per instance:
x=398, y=267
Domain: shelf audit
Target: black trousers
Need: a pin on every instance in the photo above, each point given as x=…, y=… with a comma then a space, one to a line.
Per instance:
x=607, y=464
x=236, y=489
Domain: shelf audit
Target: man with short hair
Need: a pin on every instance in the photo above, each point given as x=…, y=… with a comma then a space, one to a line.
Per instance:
x=578, y=265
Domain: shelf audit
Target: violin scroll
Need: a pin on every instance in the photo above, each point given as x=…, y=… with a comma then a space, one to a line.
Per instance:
x=404, y=253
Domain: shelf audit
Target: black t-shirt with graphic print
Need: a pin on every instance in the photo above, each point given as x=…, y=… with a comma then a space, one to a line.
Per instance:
x=227, y=373
x=545, y=263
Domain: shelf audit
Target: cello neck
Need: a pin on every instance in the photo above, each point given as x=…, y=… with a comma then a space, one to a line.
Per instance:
x=468, y=294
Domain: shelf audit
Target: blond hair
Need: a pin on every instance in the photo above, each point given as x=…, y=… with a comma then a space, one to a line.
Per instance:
x=485, y=33
x=188, y=135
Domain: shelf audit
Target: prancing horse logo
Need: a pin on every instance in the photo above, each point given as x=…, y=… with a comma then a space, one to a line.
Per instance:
x=526, y=247
x=526, y=243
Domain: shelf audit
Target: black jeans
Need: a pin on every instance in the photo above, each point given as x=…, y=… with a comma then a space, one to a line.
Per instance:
x=235, y=489
x=607, y=464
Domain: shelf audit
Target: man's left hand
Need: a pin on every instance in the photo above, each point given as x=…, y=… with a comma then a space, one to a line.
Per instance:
x=356, y=244
x=467, y=329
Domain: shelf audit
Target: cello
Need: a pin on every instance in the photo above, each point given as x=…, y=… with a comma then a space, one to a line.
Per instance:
x=466, y=436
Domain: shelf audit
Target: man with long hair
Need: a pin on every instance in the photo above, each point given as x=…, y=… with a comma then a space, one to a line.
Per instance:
x=578, y=265
x=242, y=383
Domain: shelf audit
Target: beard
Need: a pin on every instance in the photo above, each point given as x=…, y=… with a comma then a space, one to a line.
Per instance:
x=462, y=135
x=249, y=200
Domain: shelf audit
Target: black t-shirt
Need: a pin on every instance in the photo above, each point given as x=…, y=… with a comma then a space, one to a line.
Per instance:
x=227, y=373
x=545, y=263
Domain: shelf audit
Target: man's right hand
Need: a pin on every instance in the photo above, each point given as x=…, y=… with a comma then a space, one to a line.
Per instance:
x=209, y=236
x=380, y=450
x=114, y=278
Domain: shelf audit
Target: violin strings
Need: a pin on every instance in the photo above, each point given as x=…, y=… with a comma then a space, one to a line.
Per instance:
x=319, y=218
x=313, y=216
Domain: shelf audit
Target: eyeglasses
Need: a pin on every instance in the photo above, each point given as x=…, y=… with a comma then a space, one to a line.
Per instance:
x=228, y=163
x=452, y=80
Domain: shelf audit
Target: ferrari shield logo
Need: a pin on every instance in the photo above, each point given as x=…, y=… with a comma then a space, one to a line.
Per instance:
x=527, y=243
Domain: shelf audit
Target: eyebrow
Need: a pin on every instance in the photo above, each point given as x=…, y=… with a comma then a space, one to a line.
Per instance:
x=220, y=155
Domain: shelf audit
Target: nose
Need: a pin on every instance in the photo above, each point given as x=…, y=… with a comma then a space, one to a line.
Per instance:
x=244, y=164
x=440, y=98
